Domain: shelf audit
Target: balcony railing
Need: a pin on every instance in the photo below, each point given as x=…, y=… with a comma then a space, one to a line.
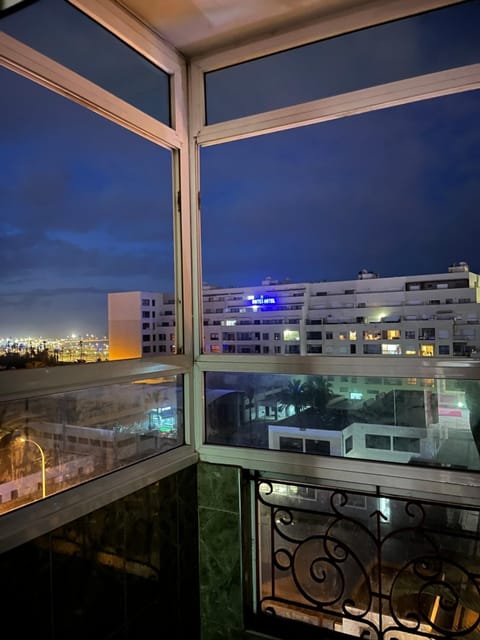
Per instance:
x=366, y=564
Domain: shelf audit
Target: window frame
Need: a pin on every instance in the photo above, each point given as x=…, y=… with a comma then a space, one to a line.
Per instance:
x=36, y=67
x=443, y=484
x=37, y=518
x=40, y=517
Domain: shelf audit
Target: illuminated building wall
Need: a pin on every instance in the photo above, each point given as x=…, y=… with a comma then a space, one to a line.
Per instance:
x=140, y=323
x=419, y=315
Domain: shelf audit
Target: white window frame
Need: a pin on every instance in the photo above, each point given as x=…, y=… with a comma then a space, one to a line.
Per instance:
x=42, y=516
x=393, y=478
x=20, y=58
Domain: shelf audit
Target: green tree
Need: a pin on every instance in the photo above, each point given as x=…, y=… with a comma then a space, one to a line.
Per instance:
x=293, y=395
x=317, y=391
x=250, y=393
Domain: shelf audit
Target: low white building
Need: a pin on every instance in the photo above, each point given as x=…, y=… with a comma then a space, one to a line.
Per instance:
x=389, y=443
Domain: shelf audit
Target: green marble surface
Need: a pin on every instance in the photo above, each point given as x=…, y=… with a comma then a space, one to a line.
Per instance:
x=220, y=544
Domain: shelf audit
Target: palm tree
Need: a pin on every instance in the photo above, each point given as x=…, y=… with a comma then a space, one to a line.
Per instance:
x=293, y=395
x=250, y=393
x=317, y=391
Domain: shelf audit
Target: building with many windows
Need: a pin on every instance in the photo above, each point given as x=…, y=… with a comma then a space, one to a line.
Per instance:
x=140, y=323
x=421, y=315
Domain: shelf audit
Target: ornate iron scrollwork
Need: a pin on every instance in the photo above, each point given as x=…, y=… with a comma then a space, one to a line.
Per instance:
x=369, y=565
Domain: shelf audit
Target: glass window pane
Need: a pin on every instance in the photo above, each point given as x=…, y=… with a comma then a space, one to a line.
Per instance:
x=420, y=421
x=51, y=443
x=65, y=34
x=339, y=238
x=86, y=212
x=429, y=42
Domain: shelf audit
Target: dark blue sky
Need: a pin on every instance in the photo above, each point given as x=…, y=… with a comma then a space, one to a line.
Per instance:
x=86, y=205
x=86, y=209
x=395, y=191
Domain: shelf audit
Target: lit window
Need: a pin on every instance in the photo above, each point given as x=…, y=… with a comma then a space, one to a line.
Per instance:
x=393, y=334
x=391, y=349
x=426, y=350
x=372, y=335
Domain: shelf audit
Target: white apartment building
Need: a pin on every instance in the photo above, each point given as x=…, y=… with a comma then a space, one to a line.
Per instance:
x=420, y=315
x=140, y=324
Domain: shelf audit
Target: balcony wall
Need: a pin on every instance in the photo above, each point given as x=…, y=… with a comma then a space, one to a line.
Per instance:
x=118, y=572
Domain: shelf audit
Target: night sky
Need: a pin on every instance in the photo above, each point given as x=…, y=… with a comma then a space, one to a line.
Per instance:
x=86, y=205
x=395, y=191
x=86, y=210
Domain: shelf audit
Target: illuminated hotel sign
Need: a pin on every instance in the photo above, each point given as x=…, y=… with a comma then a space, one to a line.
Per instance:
x=261, y=300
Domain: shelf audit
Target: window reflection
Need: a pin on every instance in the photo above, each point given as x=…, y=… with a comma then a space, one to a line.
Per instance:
x=416, y=421
x=68, y=36
x=51, y=443
x=425, y=43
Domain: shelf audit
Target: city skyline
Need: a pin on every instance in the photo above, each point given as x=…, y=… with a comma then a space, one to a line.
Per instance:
x=87, y=205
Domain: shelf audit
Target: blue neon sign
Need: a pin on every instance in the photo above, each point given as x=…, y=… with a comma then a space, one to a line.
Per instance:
x=263, y=300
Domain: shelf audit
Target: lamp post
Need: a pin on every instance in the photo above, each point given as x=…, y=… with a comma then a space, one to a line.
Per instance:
x=42, y=457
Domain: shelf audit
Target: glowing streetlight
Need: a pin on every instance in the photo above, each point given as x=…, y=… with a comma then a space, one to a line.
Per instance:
x=42, y=457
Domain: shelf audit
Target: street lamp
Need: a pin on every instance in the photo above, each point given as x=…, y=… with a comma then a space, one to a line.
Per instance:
x=42, y=457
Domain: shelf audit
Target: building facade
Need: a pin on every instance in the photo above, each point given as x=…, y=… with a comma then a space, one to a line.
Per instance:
x=420, y=315
x=140, y=324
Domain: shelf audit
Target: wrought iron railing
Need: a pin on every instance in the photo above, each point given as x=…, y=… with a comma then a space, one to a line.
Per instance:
x=367, y=565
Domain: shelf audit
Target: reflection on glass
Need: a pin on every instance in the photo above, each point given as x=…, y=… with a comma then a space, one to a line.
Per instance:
x=54, y=442
x=362, y=564
x=86, y=211
x=60, y=31
x=425, y=43
x=416, y=421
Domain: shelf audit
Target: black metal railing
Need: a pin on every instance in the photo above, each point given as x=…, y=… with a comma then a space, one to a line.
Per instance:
x=367, y=565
